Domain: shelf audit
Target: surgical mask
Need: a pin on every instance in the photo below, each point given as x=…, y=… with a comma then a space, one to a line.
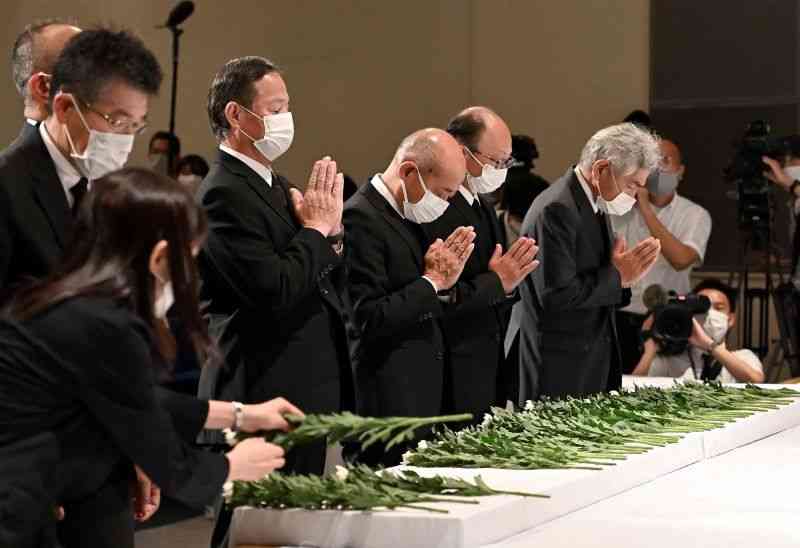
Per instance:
x=428, y=209
x=662, y=183
x=105, y=152
x=620, y=205
x=793, y=172
x=190, y=180
x=716, y=325
x=490, y=179
x=159, y=163
x=278, y=134
x=164, y=301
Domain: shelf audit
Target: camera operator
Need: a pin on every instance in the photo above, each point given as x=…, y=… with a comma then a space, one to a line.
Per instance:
x=682, y=227
x=707, y=356
x=788, y=178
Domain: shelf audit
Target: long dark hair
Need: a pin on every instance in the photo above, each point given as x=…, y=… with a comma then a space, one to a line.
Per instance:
x=124, y=216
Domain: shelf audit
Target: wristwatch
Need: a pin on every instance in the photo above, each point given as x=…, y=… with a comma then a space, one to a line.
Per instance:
x=238, y=416
x=713, y=346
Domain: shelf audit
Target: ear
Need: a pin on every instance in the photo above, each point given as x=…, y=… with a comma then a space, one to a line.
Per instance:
x=232, y=112
x=39, y=87
x=406, y=169
x=597, y=169
x=731, y=320
x=159, y=262
x=681, y=171
x=62, y=104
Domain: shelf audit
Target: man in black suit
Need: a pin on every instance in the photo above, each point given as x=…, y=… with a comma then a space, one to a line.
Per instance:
x=568, y=340
x=272, y=266
x=32, y=59
x=396, y=285
x=475, y=324
x=100, y=92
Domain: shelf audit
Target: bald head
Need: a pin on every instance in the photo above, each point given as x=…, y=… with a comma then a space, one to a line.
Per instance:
x=483, y=133
x=32, y=59
x=437, y=156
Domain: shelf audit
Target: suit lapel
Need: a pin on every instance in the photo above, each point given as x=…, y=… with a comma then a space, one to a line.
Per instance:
x=396, y=222
x=588, y=216
x=258, y=185
x=498, y=235
x=48, y=190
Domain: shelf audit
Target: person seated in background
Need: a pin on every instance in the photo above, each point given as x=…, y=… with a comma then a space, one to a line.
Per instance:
x=707, y=357
x=786, y=175
x=522, y=186
x=191, y=170
x=640, y=118
x=163, y=147
x=683, y=228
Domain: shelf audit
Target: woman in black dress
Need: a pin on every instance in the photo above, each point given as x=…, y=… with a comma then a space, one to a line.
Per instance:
x=78, y=407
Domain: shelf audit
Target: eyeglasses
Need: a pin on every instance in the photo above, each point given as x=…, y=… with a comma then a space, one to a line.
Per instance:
x=497, y=164
x=118, y=125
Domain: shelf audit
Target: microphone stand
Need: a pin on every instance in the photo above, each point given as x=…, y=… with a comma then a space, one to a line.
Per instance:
x=176, y=35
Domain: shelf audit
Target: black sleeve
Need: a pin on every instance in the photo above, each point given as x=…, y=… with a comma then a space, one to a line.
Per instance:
x=477, y=295
x=117, y=388
x=6, y=237
x=380, y=310
x=557, y=279
x=188, y=413
x=258, y=273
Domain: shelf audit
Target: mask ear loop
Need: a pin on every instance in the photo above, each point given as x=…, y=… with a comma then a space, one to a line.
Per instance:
x=85, y=125
x=263, y=121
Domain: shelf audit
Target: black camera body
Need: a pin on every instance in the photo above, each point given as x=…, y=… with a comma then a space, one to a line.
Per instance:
x=673, y=317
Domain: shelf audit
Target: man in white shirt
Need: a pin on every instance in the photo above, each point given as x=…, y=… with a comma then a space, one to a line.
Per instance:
x=682, y=227
x=707, y=356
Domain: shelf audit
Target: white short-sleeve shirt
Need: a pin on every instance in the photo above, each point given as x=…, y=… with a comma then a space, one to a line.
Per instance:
x=681, y=367
x=684, y=219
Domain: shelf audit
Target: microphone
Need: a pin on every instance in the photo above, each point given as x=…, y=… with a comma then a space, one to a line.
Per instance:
x=179, y=14
x=654, y=296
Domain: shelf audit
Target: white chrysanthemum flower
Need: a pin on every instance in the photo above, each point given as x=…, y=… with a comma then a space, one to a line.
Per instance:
x=230, y=437
x=227, y=491
x=342, y=473
x=407, y=457
x=422, y=445
x=613, y=393
x=487, y=419
x=529, y=405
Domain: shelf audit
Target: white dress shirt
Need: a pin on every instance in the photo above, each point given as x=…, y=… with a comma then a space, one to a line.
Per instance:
x=684, y=219
x=31, y=122
x=587, y=188
x=258, y=167
x=680, y=366
x=67, y=173
x=468, y=195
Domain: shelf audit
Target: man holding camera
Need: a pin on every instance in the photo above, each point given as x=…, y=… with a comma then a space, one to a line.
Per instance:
x=788, y=178
x=682, y=227
x=707, y=356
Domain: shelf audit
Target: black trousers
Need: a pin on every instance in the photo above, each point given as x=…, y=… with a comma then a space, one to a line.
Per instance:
x=629, y=329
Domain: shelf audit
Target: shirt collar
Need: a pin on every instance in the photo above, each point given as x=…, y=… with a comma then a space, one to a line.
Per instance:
x=263, y=171
x=67, y=174
x=468, y=195
x=587, y=189
x=31, y=121
x=383, y=190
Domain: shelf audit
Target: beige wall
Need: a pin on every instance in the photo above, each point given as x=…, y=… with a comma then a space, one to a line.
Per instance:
x=362, y=74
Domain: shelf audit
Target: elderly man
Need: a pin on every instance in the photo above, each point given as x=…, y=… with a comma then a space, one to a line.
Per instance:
x=682, y=227
x=568, y=339
x=397, y=286
x=32, y=59
x=475, y=322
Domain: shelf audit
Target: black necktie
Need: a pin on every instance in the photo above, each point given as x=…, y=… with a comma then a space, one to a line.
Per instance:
x=476, y=205
x=278, y=193
x=78, y=192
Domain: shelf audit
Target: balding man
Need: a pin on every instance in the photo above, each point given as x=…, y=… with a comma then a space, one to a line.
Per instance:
x=32, y=59
x=397, y=282
x=682, y=227
x=475, y=322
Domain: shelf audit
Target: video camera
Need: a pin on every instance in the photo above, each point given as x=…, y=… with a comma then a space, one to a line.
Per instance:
x=672, y=317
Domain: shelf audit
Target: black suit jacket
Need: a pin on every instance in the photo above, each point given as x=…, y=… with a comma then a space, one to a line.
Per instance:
x=568, y=342
x=272, y=293
x=475, y=323
x=35, y=218
x=401, y=362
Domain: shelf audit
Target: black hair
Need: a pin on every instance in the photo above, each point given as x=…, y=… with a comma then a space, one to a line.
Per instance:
x=467, y=129
x=93, y=58
x=640, y=118
x=27, y=57
x=171, y=138
x=730, y=293
x=197, y=165
x=523, y=149
x=234, y=82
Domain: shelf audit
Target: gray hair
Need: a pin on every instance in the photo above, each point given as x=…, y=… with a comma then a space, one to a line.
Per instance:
x=627, y=147
x=418, y=148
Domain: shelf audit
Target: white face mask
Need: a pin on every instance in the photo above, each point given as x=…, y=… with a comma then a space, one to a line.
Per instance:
x=793, y=172
x=105, y=152
x=428, y=209
x=716, y=325
x=490, y=178
x=159, y=163
x=190, y=180
x=278, y=134
x=620, y=205
x=164, y=301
